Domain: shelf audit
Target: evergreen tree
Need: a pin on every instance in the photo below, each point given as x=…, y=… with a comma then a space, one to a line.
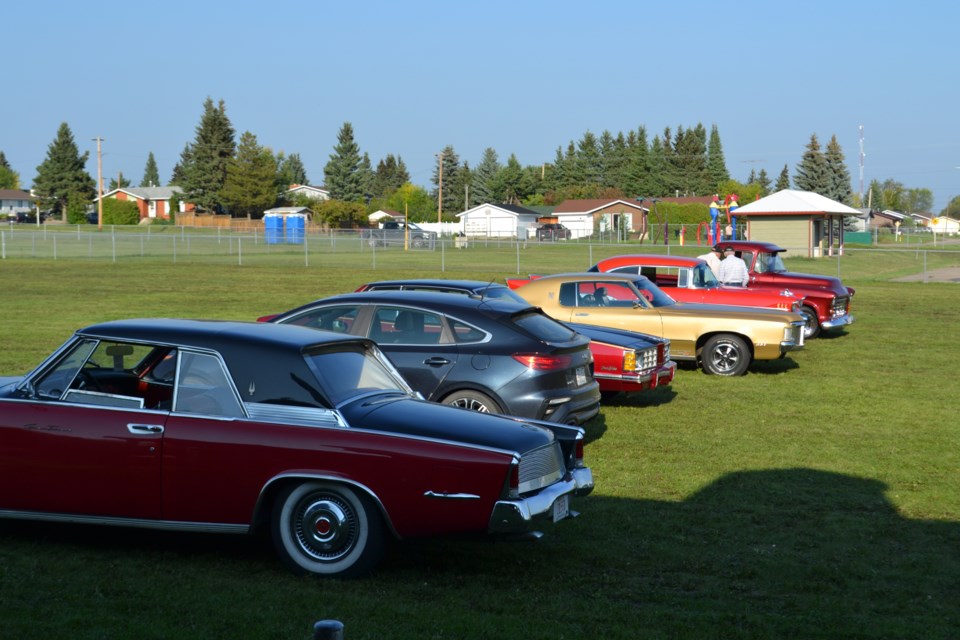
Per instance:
x=484, y=175
x=250, y=187
x=610, y=160
x=63, y=174
x=637, y=181
x=9, y=179
x=460, y=188
x=391, y=174
x=367, y=177
x=290, y=171
x=119, y=182
x=716, y=164
x=151, y=175
x=752, y=178
x=450, y=162
x=509, y=182
x=589, y=165
x=838, y=177
x=783, y=181
x=811, y=173
x=693, y=177
x=764, y=181
x=212, y=148
x=186, y=157
x=342, y=174
x=657, y=185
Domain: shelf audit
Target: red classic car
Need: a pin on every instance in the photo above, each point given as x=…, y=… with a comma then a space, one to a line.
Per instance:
x=624, y=361
x=692, y=280
x=826, y=301
x=238, y=427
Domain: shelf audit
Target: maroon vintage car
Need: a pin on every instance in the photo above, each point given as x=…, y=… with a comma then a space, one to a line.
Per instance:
x=239, y=427
x=826, y=301
x=691, y=280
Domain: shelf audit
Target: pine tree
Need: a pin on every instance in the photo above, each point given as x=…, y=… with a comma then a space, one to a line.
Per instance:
x=482, y=185
x=764, y=181
x=783, y=181
x=509, y=181
x=9, y=179
x=692, y=175
x=367, y=177
x=63, y=174
x=610, y=160
x=812, y=171
x=752, y=178
x=119, y=182
x=151, y=175
x=657, y=185
x=838, y=177
x=450, y=162
x=186, y=157
x=716, y=164
x=214, y=145
x=588, y=157
x=290, y=171
x=250, y=186
x=342, y=174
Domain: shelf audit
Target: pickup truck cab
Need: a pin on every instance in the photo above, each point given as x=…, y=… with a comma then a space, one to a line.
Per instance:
x=826, y=301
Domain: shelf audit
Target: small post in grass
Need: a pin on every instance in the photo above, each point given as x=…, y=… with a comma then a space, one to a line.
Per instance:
x=328, y=630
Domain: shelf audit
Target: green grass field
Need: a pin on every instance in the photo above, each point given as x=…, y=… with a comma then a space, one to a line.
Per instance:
x=815, y=497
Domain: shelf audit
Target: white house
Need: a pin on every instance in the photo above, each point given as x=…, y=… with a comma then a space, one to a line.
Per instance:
x=609, y=215
x=497, y=221
x=314, y=193
x=383, y=214
x=938, y=224
x=14, y=201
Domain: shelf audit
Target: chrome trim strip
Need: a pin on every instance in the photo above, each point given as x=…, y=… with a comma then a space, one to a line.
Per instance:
x=451, y=496
x=166, y=525
x=837, y=322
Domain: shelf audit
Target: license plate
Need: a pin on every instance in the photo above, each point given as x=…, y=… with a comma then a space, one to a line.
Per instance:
x=581, y=376
x=561, y=508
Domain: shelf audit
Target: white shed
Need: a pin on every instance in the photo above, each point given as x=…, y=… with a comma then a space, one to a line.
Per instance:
x=497, y=221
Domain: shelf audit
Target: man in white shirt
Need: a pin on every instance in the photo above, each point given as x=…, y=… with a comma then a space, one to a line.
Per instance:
x=712, y=259
x=733, y=270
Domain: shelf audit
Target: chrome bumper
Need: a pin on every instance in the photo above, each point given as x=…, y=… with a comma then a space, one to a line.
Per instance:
x=837, y=322
x=517, y=516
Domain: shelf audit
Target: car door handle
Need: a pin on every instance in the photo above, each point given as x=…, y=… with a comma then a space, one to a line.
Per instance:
x=436, y=361
x=582, y=314
x=138, y=429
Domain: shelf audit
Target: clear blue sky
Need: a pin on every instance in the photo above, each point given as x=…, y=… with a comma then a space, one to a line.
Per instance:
x=523, y=77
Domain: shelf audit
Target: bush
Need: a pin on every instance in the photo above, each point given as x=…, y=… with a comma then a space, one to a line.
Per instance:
x=120, y=212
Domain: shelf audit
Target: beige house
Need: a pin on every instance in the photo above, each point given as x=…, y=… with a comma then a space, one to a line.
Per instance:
x=801, y=221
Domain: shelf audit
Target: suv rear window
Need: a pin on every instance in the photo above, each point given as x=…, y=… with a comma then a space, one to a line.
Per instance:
x=543, y=327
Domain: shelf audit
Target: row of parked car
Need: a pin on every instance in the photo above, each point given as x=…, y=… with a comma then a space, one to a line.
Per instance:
x=340, y=423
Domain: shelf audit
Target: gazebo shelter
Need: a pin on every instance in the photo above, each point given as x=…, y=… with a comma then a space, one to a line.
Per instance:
x=801, y=221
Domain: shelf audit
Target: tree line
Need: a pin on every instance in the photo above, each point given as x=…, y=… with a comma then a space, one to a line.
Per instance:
x=220, y=173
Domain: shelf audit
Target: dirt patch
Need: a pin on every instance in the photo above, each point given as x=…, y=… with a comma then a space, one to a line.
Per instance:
x=948, y=274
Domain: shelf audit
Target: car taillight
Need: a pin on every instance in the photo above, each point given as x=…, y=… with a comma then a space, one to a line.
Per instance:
x=542, y=362
x=267, y=318
x=660, y=354
x=579, y=452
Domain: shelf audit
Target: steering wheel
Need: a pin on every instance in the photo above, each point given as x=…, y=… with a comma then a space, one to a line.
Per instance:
x=86, y=382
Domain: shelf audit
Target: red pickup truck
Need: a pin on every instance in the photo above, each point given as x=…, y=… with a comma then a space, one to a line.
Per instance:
x=826, y=301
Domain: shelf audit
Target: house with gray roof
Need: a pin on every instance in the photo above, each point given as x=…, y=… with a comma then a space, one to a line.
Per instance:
x=14, y=201
x=153, y=202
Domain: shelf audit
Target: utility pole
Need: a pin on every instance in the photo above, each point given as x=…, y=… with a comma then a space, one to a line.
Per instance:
x=440, y=192
x=862, y=155
x=99, y=183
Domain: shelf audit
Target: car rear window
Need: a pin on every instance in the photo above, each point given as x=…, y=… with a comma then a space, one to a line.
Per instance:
x=543, y=327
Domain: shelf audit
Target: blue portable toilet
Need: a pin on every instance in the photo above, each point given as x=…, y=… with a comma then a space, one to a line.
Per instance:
x=296, y=222
x=273, y=227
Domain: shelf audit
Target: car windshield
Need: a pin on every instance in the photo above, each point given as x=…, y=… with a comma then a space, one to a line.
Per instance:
x=704, y=278
x=769, y=262
x=652, y=293
x=349, y=371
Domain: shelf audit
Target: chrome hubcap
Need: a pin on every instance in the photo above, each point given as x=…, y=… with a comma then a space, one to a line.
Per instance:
x=325, y=528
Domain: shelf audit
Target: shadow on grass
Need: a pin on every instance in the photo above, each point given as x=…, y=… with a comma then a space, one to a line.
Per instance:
x=779, y=553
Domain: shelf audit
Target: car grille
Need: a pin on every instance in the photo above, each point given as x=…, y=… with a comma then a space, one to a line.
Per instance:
x=541, y=467
x=648, y=359
x=840, y=304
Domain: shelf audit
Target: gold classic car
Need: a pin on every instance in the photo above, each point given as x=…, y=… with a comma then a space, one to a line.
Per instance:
x=723, y=339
